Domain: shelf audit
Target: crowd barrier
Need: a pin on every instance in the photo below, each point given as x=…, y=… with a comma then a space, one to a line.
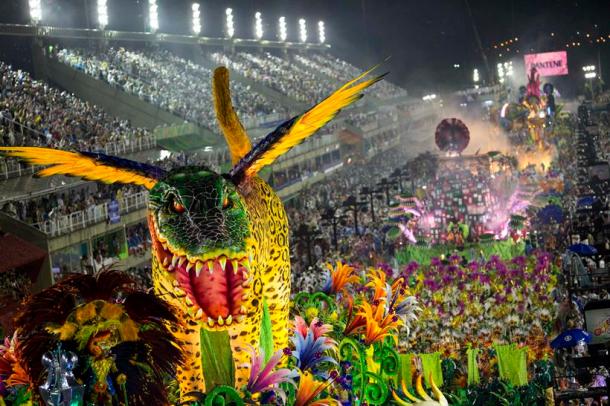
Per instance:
x=78, y=220
x=11, y=168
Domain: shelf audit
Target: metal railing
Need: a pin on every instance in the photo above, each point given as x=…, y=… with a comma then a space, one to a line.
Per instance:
x=95, y=214
x=11, y=168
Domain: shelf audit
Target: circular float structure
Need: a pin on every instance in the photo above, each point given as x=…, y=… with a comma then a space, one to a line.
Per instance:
x=452, y=135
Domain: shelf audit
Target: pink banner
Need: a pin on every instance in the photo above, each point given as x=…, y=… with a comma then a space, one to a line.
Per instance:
x=548, y=63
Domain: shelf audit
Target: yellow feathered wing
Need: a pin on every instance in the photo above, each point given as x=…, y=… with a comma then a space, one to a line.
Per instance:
x=69, y=163
x=237, y=140
x=312, y=121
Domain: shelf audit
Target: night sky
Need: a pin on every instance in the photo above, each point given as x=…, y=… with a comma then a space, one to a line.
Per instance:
x=423, y=38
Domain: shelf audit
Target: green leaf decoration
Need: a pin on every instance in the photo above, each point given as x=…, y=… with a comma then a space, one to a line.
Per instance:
x=512, y=363
x=431, y=365
x=266, y=334
x=473, y=366
x=223, y=395
x=217, y=359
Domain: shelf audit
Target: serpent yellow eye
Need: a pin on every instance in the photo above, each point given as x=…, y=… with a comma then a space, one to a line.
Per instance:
x=177, y=207
x=226, y=203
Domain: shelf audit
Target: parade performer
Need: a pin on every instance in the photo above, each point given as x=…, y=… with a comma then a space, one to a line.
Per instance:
x=220, y=241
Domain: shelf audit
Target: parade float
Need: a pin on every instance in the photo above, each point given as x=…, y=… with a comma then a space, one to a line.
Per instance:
x=471, y=204
x=533, y=119
x=220, y=327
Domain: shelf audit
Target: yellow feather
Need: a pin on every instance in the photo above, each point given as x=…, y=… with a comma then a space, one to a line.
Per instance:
x=313, y=120
x=420, y=389
x=68, y=163
x=398, y=400
x=407, y=393
x=235, y=135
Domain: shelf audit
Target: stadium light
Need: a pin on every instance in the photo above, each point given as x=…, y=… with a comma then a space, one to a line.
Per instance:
x=429, y=97
x=321, y=32
x=35, y=11
x=282, y=31
x=258, y=25
x=302, y=30
x=501, y=73
x=589, y=71
x=153, y=15
x=230, y=26
x=196, y=18
x=102, y=14
x=508, y=68
x=475, y=76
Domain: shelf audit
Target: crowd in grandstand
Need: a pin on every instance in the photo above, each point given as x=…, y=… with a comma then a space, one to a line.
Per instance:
x=36, y=114
x=342, y=70
x=57, y=205
x=279, y=74
x=163, y=79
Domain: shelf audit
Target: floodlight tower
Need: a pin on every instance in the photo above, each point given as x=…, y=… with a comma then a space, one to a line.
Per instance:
x=258, y=25
x=230, y=23
x=35, y=11
x=102, y=14
x=321, y=32
x=196, y=23
x=282, y=31
x=153, y=16
x=302, y=30
x=476, y=78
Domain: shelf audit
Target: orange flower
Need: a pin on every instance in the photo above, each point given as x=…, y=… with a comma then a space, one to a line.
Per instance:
x=379, y=283
x=309, y=388
x=340, y=276
x=9, y=363
x=377, y=325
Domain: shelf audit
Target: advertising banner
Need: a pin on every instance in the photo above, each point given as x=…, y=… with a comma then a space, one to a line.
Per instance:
x=114, y=212
x=548, y=63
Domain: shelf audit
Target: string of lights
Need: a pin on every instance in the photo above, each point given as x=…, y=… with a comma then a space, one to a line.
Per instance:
x=569, y=40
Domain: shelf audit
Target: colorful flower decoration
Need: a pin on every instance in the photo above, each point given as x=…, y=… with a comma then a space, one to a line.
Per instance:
x=339, y=277
x=309, y=388
x=263, y=378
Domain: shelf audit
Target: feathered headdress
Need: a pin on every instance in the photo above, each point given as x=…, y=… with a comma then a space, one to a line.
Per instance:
x=88, y=314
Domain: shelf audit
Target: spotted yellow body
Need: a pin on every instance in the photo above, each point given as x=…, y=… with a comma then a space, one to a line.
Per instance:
x=271, y=267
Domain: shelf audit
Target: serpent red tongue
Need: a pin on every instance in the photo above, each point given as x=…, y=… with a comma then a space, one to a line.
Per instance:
x=212, y=290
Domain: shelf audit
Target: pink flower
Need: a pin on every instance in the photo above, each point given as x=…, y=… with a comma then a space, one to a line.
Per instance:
x=317, y=328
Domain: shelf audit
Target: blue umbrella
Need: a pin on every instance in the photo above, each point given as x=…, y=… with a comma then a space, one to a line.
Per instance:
x=550, y=212
x=586, y=201
x=583, y=249
x=570, y=338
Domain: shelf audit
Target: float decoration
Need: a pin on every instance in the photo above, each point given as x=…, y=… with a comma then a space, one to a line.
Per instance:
x=215, y=259
x=452, y=135
x=101, y=332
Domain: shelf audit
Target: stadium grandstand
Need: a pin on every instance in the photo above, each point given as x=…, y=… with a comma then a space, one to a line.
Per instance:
x=152, y=101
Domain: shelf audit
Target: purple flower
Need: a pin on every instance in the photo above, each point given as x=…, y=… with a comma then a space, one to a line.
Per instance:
x=262, y=377
x=474, y=266
x=411, y=267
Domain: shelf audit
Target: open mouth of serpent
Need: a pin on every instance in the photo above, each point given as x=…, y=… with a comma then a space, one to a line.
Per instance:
x=214, y=287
